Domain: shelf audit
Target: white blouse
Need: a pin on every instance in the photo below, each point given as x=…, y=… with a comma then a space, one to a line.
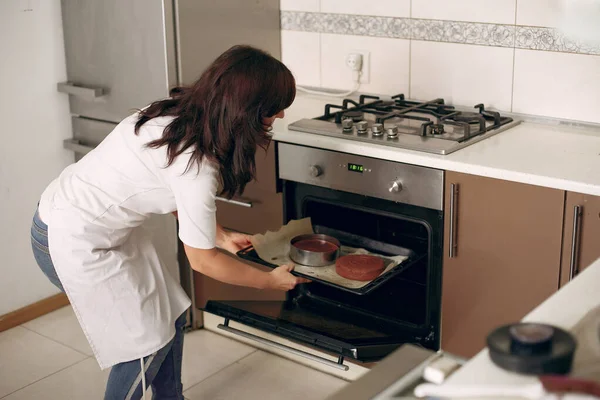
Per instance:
x=124, y=297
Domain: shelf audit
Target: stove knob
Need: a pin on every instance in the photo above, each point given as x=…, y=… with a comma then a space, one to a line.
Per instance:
x=377, y=129
x=362, y=126
x=392, y=132
x=347, y=124
x=315, y=171
x=395, y=187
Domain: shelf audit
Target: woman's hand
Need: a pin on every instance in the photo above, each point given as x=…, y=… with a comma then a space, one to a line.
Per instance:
x=232, y=241
x=225, y=268
x=282, y=279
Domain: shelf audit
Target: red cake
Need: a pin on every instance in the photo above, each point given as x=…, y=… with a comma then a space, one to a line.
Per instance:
x=359, y=267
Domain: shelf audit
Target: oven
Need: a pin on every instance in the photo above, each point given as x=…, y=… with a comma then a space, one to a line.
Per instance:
x=385, y=207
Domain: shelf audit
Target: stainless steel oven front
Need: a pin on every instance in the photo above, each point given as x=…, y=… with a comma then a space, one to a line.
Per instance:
x=383, y=206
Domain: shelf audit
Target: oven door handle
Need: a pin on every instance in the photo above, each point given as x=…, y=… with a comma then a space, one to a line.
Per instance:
x=338, y=365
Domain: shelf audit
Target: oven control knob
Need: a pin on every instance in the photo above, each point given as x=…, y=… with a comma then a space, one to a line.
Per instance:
x=395, y=187
x=315, y=171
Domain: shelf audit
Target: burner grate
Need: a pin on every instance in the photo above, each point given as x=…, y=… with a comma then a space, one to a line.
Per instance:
x=428, y=119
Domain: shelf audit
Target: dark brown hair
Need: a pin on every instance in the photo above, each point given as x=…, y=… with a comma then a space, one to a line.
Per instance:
x=221, y=115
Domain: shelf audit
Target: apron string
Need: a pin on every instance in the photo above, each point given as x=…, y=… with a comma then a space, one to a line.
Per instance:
x=143, y=378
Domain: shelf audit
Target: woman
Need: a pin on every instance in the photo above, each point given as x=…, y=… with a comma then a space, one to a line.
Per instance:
x=172, y=157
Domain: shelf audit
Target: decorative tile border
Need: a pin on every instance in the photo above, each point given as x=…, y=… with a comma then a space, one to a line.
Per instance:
x=549, y=39
x=463, y=32
x=498, y=35
x=346, y=24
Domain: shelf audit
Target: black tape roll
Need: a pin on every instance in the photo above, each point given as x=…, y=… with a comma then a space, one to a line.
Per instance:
x=532, y=349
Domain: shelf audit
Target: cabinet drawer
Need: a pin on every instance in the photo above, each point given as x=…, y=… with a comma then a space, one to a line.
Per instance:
x=265, y=173
x=265, y=213
x=266, y=180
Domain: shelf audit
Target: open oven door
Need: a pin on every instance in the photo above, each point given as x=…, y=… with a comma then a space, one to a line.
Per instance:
x=333, y=320
x=310, y=322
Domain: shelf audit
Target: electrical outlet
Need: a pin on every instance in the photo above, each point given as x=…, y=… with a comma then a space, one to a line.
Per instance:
x=359, y=60
x=354, y=61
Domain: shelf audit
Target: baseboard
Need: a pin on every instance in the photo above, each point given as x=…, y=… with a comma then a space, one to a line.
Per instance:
x=32, y=311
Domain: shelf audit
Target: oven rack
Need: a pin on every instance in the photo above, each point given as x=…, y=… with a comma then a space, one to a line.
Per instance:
x=348, y=239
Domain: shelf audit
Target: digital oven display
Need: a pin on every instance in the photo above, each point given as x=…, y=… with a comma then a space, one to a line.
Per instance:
x=356, y=168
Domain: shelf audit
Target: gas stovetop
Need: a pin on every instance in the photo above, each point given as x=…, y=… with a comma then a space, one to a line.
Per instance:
x=431, y=126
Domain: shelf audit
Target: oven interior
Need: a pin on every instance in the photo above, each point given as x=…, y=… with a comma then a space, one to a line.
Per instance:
x=402, y=309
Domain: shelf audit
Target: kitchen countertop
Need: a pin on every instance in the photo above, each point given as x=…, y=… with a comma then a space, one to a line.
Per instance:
x=551, y=154
x=563, y=309
x=399, y=372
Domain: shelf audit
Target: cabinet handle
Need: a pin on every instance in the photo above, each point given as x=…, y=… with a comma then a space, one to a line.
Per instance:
x=339, y=365
x=453, y=245
x=574, y=270
x=76, y=146
x=246, y=204
x=87, y=93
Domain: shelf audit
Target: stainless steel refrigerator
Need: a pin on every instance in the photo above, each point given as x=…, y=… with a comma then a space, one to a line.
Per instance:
x=122, y=55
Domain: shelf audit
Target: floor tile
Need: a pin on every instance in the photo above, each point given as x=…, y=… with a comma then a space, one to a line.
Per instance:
x=26, y=357
x=61, y=326
x=263, y=376
x=83, y=380
x=205, y=353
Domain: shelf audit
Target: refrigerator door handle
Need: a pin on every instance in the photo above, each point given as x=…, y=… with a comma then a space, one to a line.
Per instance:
x=76, y=146
x=86, y=93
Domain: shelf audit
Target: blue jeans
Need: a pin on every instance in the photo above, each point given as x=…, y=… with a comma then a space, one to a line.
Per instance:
x=162, y=369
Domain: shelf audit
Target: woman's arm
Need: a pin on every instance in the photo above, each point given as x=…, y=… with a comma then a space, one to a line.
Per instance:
x=225, y=268
x=228, y=240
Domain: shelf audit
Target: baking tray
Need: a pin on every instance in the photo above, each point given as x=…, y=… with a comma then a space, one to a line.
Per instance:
x=351, y=240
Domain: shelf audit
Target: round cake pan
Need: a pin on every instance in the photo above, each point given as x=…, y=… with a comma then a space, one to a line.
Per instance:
x=314, y=250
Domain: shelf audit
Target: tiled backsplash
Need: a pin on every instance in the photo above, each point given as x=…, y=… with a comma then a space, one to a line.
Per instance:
x=505, y=53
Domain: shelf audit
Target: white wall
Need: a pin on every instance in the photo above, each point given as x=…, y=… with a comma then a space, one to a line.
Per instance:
x=505, y=53
x=34, y=121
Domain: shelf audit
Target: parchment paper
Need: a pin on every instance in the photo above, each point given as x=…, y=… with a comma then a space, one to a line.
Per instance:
x=274, y=248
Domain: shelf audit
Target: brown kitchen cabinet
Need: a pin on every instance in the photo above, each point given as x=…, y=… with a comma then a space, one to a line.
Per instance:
x=266, y=213
x=581, y=234
x=261, y=207
x=505, y=239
